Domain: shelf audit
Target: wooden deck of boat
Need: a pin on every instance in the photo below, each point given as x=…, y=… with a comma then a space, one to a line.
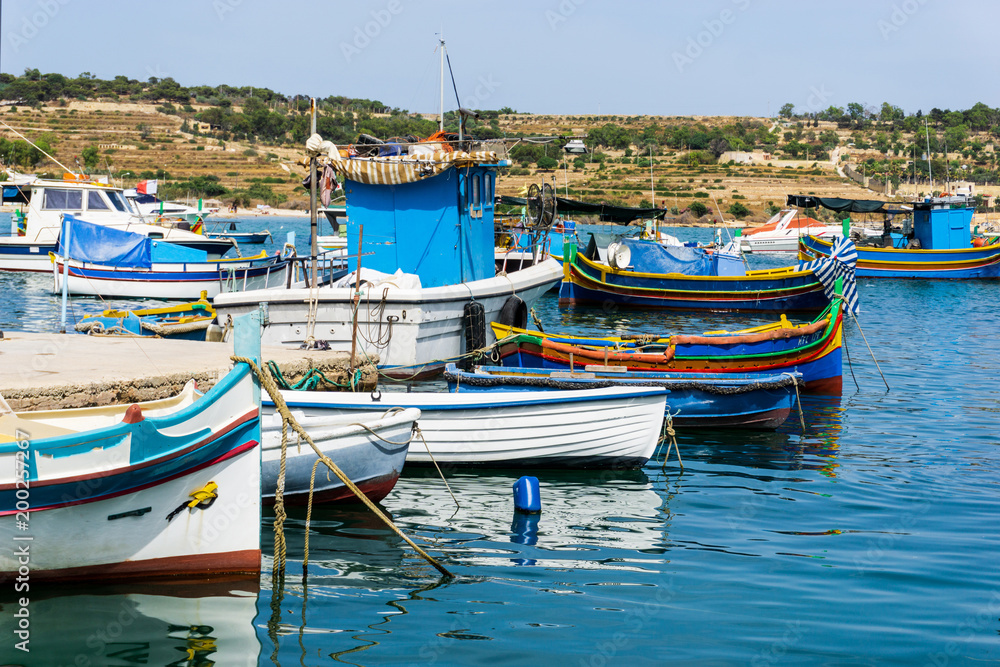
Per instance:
x=50, y=371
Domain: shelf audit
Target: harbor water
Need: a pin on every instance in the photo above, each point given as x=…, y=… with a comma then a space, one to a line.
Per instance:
x=871, y=537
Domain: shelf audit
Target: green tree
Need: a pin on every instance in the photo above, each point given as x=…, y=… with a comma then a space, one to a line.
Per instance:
x=787, y=110
x=698, y=209
x=738, y=210
x=90, y=157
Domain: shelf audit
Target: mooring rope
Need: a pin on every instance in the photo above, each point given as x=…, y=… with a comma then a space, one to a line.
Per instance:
x=798, y=401
x=668, y=431
x=287, y=420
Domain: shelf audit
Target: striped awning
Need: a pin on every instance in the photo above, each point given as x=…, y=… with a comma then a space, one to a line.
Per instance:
x=397, y=169
x=840, y=264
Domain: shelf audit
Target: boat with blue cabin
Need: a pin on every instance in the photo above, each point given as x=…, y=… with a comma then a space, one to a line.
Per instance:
x=421, y=281
x=933, y=241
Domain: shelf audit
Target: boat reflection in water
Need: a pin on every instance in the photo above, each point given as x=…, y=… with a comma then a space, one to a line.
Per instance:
x=361, y=578
x=203, y=623
x=786, y=449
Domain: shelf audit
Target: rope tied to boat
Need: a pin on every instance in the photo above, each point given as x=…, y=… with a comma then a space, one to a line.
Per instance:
x=288, y=420
x=798, y=401
x=311, y=380
x=669, y=435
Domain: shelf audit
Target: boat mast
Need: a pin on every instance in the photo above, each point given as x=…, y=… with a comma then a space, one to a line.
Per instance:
x=927, y=138
x=441, y=117
x=313, y=247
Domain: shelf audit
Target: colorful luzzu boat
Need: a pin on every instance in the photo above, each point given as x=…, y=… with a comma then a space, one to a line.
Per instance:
x=649, y=275
x=812, y=349
x=936, y=243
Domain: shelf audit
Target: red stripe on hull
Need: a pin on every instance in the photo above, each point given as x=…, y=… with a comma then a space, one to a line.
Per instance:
x=375, y=488
x=245, y=562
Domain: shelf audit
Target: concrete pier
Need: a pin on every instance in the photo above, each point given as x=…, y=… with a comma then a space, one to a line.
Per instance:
x=49, y=371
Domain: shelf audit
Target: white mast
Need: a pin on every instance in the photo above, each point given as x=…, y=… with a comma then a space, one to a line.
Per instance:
x=441, y=118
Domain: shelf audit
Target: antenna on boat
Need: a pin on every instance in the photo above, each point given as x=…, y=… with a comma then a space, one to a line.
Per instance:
x=441, y=117
x=39, y=149
x=927, y=138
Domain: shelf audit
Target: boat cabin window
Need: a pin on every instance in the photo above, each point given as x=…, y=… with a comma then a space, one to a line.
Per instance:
x=117, y=200
x=488, y=191
x=155, y=235
x=63, y=200
x=95, y=202
x=475, y=191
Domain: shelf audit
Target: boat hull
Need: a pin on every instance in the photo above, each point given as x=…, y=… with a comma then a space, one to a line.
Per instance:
x=371, y=456
x=602, y=428
x=817, y=355
x=98, y=501
x=412, y=332
x=960, y=264
x=168, y=281
x=717, y=400
x=589, y=283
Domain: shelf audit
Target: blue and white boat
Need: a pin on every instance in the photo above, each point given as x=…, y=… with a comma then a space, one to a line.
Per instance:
x=428, y=281
x=102, y=261
x=160, y=489
x=760, y=400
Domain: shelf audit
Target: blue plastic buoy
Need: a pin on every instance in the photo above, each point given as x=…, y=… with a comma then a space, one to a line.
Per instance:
x=526, y=496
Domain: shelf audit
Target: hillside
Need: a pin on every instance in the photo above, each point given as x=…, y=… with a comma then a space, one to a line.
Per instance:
x=223, y=160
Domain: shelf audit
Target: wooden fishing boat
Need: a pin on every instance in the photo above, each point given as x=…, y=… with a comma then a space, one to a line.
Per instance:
x=370, y=448
x=187, y=321
x=100, y=261
x=646, y=274
x=696, y=400
x=148, y=490
x=429, y=218
x=934, y=240
x=813, y=349
x=610, y=427
x=246, y=238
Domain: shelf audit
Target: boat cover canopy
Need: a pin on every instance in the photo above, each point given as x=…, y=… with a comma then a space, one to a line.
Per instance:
x=837, y=204
x=394, y=170
x=97, y=244
x=607, y=212
x=87, y=242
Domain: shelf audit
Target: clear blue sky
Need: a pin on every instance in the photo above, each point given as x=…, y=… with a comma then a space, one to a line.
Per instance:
x=716, y=57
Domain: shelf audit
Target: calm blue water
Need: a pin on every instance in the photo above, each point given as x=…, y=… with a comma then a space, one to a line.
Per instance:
x=871, y=538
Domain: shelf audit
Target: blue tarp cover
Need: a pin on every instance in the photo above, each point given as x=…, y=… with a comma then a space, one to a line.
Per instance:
x=98, y=244
x=650, y=257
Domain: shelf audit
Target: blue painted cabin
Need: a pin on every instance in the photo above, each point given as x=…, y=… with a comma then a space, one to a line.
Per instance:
x=439, y=228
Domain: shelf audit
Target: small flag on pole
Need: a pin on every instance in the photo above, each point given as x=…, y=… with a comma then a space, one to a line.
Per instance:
x=146, y=187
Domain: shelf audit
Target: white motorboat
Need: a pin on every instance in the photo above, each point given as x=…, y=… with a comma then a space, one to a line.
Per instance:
x=35, y=234
x=782, y=232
